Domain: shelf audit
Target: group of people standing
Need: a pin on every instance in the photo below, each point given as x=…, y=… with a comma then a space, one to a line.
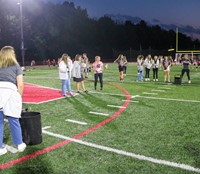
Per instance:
x=77, y=69
x=156, y=63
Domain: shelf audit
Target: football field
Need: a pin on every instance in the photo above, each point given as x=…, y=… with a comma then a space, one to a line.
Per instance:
x=127, y=128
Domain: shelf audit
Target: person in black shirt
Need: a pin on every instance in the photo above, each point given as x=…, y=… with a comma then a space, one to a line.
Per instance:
x=186, y=67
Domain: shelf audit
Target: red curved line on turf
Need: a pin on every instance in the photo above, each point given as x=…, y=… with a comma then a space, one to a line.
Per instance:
x=55, y=146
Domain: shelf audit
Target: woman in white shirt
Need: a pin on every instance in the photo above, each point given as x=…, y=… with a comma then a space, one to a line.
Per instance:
x=147, y=64
x=65, y=67
x=155, y=65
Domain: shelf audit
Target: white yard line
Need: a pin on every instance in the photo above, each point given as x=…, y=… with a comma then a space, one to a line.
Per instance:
x=150, y=93
x=170, y=99
x=164, y=88
x=113, y=106
x=103, y=93
x=125, y=153
x=155, y=90
x=97, y=113
x=77, y=122
x=46, y=127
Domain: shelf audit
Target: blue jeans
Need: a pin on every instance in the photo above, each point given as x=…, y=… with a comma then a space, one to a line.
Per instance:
x=140, y=74
x=66, y=85
x=15, y=129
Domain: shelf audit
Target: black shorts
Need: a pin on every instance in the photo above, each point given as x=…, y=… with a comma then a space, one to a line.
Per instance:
x=120, y=68
x=78, y=79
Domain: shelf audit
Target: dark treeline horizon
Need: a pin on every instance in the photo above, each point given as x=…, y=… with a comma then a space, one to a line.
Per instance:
x=53, y=29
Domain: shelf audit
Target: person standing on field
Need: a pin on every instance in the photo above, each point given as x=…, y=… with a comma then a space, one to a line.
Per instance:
x=166, y=66
x=186, y=67
x=77, y=73
x=11, y=90
x=147, y=64
x=98, y=72
x=65, y=67
x=121, y=61
x=155, y=65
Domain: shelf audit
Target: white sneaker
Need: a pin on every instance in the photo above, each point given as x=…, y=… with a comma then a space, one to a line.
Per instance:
x=156, y=80
x=189, y=81
x=21, y=147
x=3, y=151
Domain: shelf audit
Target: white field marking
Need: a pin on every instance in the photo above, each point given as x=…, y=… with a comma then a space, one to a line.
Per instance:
x=46, y=127
x=155, y=90
x=74, y=121
x=107, y=93
x=11, y=149
x=131, y=101
x=129, y=154
x=171, y=99
x=6, y=120
x=134, y=96
x=113, y=106
x=97, y=113
x=164, y=87
x=150, y=93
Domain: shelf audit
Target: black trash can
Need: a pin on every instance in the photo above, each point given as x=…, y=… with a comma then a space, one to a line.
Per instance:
x=31, y=128
x=177, y=80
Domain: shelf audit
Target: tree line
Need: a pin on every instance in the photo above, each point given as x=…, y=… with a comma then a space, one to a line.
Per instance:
x=52, y=29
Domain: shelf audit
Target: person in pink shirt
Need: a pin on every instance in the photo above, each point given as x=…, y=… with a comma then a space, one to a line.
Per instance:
x=98, y=72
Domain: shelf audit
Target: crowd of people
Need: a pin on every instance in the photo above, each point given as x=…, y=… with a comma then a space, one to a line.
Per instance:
x=156, y=63
x=79, y=70
x=11, y=81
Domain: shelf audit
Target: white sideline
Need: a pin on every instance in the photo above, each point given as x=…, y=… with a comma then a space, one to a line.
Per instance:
x=97, y=113
x=107, y=93
x=77, y=122
x=130, y=154
x=155, y=90
x=150, y=93
x=170, y=99
x=164, y=88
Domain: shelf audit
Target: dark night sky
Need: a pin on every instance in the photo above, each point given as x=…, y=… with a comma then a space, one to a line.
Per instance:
x=169, y=14
x=180, y=12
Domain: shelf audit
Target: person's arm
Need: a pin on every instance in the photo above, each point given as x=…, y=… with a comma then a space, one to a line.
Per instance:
x=20, y=84
x=116, y=60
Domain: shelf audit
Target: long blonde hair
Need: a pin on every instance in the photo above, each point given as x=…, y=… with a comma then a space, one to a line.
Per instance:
x=64, y=58
x=7, y=57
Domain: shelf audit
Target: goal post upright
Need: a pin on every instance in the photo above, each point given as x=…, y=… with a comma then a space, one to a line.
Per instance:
x=176, y=39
